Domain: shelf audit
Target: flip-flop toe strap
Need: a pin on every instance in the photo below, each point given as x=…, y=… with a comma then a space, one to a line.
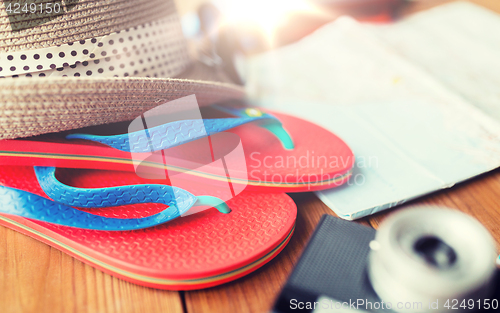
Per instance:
x=28, y=205
x=180, y=132
x=112, y=196
x=60, y=211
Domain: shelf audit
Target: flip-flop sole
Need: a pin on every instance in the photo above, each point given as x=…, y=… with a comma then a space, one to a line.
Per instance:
x=197, y=251
x=319, y=161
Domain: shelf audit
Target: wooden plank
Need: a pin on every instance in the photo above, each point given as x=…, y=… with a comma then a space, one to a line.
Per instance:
x=37, y=278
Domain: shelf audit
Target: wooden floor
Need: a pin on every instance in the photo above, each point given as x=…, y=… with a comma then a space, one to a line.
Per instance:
x=37, y=278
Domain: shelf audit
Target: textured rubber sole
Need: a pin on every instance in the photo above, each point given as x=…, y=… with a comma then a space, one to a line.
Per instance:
x=192, y=252
x=147, y=281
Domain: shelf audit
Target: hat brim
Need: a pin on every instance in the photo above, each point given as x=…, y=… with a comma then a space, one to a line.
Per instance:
x=33, y=106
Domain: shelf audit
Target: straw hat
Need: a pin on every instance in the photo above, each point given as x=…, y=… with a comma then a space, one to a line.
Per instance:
x=95, y=62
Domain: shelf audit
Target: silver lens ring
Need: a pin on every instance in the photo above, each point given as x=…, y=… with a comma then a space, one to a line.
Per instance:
x=429, y=255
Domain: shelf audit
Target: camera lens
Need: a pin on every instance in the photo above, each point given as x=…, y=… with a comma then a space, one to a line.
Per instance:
x=435, y=252
x=425, y=256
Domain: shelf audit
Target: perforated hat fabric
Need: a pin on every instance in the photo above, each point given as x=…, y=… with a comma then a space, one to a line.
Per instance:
x=153, y=49
x=97, y=62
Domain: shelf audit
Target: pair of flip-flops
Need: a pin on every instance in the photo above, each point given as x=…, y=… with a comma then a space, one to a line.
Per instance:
x=137, y=193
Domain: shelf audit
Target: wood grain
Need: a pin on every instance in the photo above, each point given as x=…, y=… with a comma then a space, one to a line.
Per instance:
x=37, y=278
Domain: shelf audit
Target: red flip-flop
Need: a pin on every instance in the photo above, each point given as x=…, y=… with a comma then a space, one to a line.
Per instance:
x=282, y=153
x=191, y=252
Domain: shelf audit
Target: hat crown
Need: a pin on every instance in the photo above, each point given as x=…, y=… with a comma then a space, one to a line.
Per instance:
x=34, y=24
x=110, y=38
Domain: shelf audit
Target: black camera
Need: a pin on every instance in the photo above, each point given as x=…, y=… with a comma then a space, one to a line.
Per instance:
x=419, y=260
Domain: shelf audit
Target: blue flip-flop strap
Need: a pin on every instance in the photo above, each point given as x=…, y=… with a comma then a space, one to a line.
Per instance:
x=180, y=132
x=112, y=196
x=28, y=205
x=167, y=135
x=60, y=211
